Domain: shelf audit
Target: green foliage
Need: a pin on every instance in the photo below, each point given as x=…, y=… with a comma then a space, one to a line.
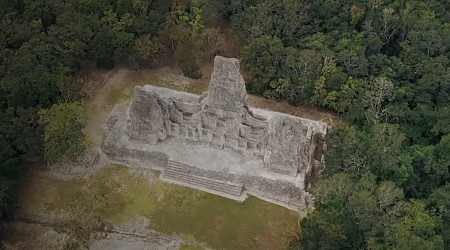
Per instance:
x=416, y=230
x=188, y=58
x=148, y=50
x=330, y=226
x=361, y=46
x=19, y=141
x=104, y=50
x=366, y=168
x=33, y=91
x=64, y=138
x=379, y=212
x=431, y=167
x=439, y=204
x=259, y=61
x=193, y=18
x=285, y=19
x=173, y=33
x=374, y=204
x=387, y=159
x=378, y=150
x=8, y=169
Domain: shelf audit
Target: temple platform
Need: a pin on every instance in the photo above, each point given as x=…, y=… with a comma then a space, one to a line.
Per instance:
x=216, y=143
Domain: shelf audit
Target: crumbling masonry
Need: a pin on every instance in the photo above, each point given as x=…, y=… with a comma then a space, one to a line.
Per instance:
x=216, y=143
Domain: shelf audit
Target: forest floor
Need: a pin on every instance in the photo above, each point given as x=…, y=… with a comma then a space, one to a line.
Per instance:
x=114, y=207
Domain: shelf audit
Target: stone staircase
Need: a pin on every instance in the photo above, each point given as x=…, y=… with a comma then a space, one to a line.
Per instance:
x=173, y=173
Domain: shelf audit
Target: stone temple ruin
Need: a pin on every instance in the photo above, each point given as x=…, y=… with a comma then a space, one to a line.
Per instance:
x=216, y=143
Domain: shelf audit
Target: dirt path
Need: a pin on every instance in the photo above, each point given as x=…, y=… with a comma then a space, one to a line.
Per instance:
x=97, y=109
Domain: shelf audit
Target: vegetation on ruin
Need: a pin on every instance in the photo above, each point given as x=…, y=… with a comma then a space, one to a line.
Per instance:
x=381, y=64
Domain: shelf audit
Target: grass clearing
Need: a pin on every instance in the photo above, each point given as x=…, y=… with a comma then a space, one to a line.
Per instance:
x=123, y=92
x=191, y=247
x=114, y=195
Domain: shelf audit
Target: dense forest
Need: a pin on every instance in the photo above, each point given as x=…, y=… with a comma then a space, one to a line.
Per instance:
x=382, y=64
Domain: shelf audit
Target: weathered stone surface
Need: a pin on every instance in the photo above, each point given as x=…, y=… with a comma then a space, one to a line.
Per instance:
x=288, y=146
x=217, y=136
x=227, y=87
x=146, y=117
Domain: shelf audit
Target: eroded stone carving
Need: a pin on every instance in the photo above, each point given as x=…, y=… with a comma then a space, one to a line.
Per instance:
x=215, y=141
x=288, y=145
x=147, y=118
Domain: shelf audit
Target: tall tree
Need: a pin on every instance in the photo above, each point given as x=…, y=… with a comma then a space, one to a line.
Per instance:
x=64, y=138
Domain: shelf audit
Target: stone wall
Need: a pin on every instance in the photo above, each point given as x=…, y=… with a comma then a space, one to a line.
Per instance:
x=147, y=117
x=115, y=147
x=282, y=192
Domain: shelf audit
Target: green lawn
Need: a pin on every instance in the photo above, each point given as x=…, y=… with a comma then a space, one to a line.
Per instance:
x=122, y=92
x=114, y=195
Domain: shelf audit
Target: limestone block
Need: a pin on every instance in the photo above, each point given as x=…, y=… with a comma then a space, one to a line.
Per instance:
x=147, y=116
x=283, y=152
x=227, y=87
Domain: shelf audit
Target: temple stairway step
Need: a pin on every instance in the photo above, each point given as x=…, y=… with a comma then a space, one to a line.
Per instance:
x=202, y=182
x=173, y=172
